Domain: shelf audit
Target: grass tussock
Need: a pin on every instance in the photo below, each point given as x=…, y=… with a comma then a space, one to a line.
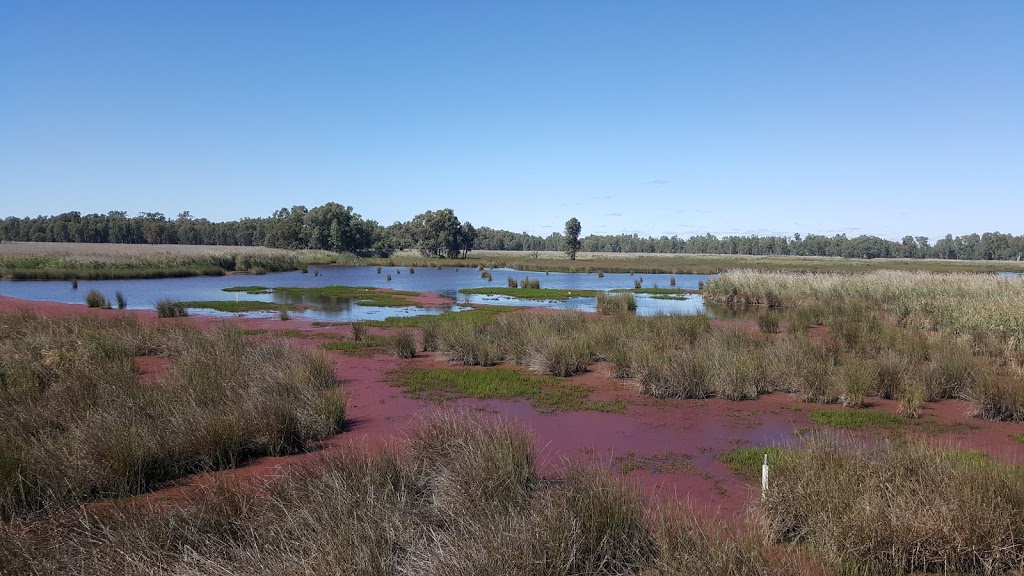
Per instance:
x=167, y=308
x=619, y=303
x=78, y=423
x=897, y=508
x=95, y=299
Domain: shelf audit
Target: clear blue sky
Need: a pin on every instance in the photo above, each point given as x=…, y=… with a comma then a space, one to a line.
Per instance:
x=657, y=118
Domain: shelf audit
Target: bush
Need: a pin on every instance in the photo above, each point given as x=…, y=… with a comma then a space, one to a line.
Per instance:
x=95, y=299
x=403, y=345
x=121, y=302
x=167, y=308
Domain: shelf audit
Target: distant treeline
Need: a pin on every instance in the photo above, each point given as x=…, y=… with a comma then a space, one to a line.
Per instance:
x=440, y=233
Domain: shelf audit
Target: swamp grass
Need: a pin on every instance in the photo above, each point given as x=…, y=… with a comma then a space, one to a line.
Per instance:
x=963, y=304
x=238, y=306
x=897, y=507
x=65, y=261
x=361, y=295
x=77, y=423
x=459, y=496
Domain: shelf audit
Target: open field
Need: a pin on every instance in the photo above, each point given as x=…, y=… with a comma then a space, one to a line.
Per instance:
x=644, y=263
x=55, y=260
x=65, y=261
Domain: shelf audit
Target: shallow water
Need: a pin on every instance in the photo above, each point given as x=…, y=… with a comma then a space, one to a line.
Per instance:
x=143, y=293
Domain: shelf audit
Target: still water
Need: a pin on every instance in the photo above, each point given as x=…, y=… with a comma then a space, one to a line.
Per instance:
x=143, y=294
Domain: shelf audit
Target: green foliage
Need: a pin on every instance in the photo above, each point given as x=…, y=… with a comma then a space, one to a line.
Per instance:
x=746, y=462
x=572, y=237
x=234, y=306
x=121, y=302
x=545, y=393
x=857, y=419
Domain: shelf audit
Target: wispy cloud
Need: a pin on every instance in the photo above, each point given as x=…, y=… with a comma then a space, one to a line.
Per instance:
x=658, y=182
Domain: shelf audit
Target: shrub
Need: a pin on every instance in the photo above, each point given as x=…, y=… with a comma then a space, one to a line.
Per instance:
x=121, y=302
x=512, y=282
x=167, y=308
x=95, y=299
x=283, y=313
x=403, y=345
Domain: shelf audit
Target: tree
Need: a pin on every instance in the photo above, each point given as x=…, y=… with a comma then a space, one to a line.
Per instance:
x=437, y=234
x=572, y=237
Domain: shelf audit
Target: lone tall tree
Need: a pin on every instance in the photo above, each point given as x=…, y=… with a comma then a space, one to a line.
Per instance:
x=572, y=237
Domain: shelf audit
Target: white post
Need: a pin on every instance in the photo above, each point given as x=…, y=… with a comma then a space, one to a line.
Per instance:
x=764, y=478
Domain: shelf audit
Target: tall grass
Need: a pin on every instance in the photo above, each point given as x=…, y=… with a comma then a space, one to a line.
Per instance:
x=960, y=303
x=898, y=508
x=459, y=497
x=76, y=421
x=57, y=261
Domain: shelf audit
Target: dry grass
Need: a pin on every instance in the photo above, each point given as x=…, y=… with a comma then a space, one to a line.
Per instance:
x=52, y=260
x=77, y=422
x=960, y=303
x=898, y=508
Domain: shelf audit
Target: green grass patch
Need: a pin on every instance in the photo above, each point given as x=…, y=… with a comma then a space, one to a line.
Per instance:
x=236, y=306
x=249, y=289
x=857, y=419
x=1018, y=437
x=347, y=346
x=545, y=393
x=362, y=295
x=531, y=293
x=481, y=315
x=746, y=462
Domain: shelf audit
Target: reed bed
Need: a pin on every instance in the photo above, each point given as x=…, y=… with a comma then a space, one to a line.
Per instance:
x=681, y=357
x=965, y=304
x=459, y=496
x=63, y=261
x=77, y=422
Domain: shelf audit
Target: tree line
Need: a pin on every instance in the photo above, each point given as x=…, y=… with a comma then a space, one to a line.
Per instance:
x=440, y=233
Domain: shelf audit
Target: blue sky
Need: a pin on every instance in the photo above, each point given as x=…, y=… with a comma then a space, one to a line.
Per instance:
x=771, y=117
